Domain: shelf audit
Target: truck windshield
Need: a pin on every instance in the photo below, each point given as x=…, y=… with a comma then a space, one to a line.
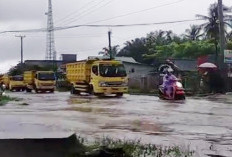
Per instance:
x=46, y=76
x=17, y=78
x=112, y=70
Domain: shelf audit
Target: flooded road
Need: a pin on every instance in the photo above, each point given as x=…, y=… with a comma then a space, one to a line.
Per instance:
x=200, y=124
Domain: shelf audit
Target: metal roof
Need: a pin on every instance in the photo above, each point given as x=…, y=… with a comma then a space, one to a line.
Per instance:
x=127, y=59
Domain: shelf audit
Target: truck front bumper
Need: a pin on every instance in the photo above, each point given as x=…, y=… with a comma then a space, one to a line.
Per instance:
x=46, y=87
x=111, y=90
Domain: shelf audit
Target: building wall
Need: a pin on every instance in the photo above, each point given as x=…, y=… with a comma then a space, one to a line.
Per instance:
x=137, y=70
x=69, y=58
x=137, y=74
x=42, y=63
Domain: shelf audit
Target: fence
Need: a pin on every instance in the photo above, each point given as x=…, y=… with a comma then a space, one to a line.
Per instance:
x=144, y=83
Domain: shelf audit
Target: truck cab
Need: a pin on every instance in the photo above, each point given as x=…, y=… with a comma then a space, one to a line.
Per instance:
x=45, y=81
x=40, y=81
x=16, y=83
x=108, y=77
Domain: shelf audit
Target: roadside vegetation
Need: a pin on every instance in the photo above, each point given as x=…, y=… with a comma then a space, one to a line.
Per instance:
x=126, y=148
x=5, y=99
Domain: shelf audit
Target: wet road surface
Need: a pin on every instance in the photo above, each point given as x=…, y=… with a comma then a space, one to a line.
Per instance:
x=200, y=124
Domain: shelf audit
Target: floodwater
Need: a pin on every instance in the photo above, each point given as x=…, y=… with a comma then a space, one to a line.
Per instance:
x=200, y=124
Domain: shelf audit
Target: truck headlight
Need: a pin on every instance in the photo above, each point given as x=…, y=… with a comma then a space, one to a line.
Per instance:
x=124, y=84
x=102, y=84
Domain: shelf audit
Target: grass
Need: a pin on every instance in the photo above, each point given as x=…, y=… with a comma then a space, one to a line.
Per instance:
x=127, y=148
x=5, y=99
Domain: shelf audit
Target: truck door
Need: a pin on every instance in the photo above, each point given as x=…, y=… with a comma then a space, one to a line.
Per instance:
x=94, y=75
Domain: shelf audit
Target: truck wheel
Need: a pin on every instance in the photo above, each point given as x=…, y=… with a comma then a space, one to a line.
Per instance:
x=119, y=94
x=36, y=90
x=52, y=91
x=90, y=90
x=73, y=91
x=28, y=90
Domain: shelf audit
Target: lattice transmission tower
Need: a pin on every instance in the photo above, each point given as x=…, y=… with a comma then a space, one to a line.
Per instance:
x=50, y=47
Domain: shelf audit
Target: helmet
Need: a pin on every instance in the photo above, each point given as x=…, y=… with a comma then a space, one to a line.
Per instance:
x=170, y=70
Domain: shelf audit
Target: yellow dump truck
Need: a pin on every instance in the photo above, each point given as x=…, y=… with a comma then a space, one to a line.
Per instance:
x=1, y=79
x=99, y=77
x=16, y=83
x=6, y=80
x=40, y=81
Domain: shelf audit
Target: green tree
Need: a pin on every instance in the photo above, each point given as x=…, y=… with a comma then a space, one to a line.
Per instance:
x=229, y=45
x=229, y=36
x=135, y=48
x=193, y=33
x=106, y=51
x=186, y=50
x=211, y=27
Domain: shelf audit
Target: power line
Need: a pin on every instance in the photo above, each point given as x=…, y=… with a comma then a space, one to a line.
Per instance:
x=91, y=36
x=69, y=36
x=76, y=11
x=131, y=13
x=98, y=26
x=83, y=12
x=26, y=31
x=127, y=25
x=88, y=12
x=136, y=12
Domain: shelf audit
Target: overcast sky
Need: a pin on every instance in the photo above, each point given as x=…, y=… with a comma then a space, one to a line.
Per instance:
x=30, y=14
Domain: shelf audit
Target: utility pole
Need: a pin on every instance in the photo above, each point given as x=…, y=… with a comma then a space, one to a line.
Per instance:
x=21, y=38
x=110, y=48
x=221, y=33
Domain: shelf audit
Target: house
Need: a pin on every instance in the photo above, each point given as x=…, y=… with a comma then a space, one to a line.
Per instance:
x=138, y=73
x=185, y=65
x=65, y=58
x=134, y=69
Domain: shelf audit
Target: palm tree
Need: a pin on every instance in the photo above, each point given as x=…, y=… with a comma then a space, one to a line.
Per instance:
x=193, y=33
x=106, y=51
x=211, y=27
x=229, y=36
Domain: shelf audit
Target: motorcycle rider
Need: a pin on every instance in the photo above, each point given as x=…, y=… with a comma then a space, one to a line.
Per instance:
x=168, y=81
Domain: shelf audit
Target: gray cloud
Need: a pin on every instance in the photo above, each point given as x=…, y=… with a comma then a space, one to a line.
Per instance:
x=26, y=14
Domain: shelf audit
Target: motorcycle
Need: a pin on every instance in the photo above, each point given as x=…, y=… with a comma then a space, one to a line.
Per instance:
x=176, y=94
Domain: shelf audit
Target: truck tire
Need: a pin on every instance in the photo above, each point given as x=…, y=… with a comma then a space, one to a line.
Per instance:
x=11, y=89
x=52, y=91
x=73, y=91
x=28, y=90
x=119, y=95
x=90, y=89
x=36, y=90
